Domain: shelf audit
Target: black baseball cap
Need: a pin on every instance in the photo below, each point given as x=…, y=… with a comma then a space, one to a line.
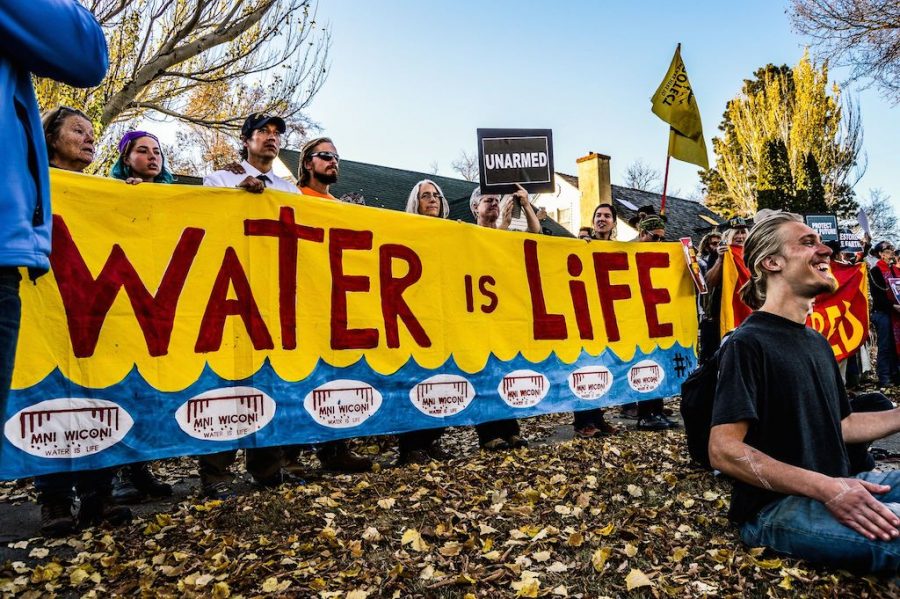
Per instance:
x=736, y=222
x=258, y=120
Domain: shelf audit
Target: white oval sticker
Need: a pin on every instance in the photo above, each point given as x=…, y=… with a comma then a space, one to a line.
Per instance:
x=342, y=403
x=226, y=413
x=523, y=388
x=590, y=382
x=69, y=427
x=645, y=376
x=442, y=395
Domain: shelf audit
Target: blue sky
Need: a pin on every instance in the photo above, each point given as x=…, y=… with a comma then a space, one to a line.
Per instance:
x=411, y=81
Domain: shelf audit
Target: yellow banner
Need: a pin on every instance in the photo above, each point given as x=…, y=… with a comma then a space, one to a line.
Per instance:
x=170, y=278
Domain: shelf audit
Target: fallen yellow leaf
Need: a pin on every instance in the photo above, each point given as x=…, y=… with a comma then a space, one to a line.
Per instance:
x=607, y=530
x=271, y=585
x=414, y=539
x=636, y=579
x=678, y=554
x=598, y=559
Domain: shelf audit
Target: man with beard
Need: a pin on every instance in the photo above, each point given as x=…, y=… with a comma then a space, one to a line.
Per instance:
x=261, y=142
x=318, y=168
x=781, y=418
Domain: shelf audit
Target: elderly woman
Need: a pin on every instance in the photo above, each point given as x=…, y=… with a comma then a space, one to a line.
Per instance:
x=419, y=447
x=426, y=198
x=591, y=423
x=140, y=160
x=69, y=135
x=501, y=434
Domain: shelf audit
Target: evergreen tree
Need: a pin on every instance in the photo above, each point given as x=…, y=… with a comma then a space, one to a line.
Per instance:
x=775, y=184
x=810, y=196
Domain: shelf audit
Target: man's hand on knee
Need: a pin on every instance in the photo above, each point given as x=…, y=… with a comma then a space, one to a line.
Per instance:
x=852, y=504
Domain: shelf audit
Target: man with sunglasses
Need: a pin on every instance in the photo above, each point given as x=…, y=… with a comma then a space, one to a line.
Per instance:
x=318, y=171
x=261, y=142
x=319, y=168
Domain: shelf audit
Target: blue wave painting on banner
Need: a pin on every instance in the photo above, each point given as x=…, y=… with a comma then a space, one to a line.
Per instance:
x=183, y=321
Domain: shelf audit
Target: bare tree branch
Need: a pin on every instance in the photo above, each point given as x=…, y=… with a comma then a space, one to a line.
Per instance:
x=861, y=34
x=641, y=175
x=466, y=166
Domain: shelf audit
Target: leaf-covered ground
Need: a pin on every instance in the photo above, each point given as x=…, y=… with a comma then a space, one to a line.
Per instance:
x=612, y=517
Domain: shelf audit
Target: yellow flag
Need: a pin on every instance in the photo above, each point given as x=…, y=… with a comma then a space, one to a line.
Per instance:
x=674, y=103
x=688, y=149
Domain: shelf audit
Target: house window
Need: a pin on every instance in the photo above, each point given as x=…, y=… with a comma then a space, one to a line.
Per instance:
x=564, y=217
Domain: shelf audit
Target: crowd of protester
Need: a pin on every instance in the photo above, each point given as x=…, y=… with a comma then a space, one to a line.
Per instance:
x=784, y=426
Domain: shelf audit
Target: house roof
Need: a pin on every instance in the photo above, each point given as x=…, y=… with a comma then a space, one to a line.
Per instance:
x=386, y=187
x=684, y=218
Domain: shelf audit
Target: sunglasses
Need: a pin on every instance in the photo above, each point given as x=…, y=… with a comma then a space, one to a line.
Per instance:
x=655, y=237
x=326, y=156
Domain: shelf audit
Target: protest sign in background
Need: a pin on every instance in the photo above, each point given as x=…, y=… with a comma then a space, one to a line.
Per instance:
x=507, y=157
x=181, y=320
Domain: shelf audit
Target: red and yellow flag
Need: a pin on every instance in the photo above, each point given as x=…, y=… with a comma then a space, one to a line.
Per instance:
x=734, y=275
x=842, y=317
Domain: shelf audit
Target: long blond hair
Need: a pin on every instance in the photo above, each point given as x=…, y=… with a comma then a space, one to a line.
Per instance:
x=763, y=241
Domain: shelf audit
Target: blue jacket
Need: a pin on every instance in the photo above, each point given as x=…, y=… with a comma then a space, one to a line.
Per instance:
x=59, y=39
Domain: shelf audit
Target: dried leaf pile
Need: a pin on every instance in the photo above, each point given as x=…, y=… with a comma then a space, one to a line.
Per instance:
x=623, y=515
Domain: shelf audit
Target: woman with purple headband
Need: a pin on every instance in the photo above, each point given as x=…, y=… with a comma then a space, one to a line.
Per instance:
x=141, y=160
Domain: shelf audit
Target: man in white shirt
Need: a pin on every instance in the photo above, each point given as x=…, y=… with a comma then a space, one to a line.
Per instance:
x=261, y=140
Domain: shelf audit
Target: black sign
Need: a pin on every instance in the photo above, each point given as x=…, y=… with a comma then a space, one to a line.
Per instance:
x=850, y=241
x=824, y=224
x=510, y=156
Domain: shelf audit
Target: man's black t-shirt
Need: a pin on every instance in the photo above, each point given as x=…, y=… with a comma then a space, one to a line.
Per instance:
x=782, y=377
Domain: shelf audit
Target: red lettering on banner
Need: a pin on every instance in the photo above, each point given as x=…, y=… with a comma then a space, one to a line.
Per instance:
x=393, y=306
x=87, y=300
x=490, y=296
x=219, y=307
x=578, y=293
x=653, y=296
x=604, y=262
x=546, y=325
x=343, y=337
x=288, y=233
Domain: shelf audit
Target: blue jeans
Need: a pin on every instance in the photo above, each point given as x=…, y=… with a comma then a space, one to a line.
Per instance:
x=803, y=528
x=10, y=318
x=886, y=365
